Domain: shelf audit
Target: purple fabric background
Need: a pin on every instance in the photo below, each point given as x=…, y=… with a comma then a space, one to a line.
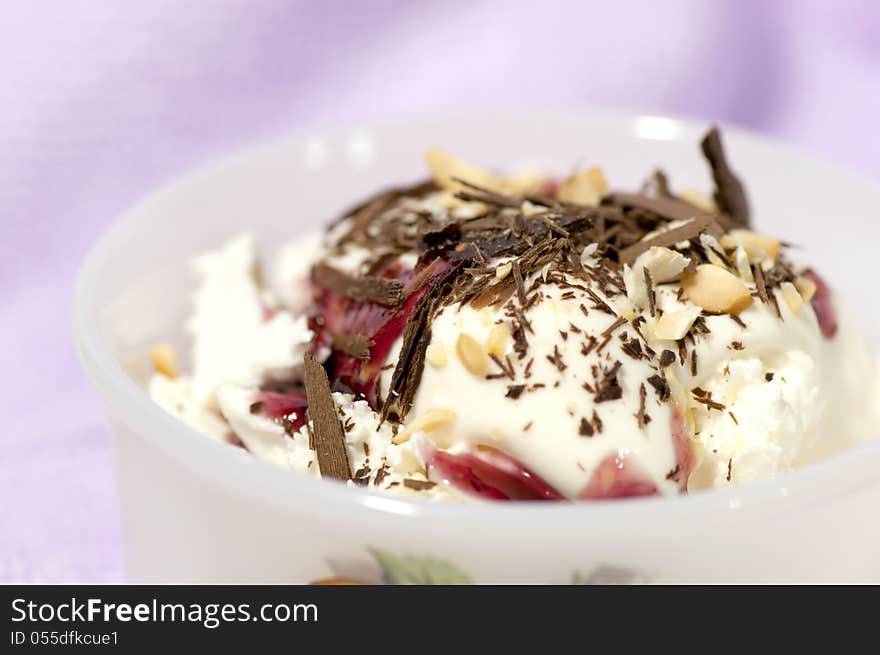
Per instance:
x=104, y=100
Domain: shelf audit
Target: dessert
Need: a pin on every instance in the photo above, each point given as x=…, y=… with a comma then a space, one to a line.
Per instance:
x=526, y=338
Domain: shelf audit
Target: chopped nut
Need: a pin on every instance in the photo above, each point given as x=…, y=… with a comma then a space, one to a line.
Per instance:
x=636, y=287
x=712, y=247
x=674, y=325
x=588, y=255
x=792, y=297
x=583, y=188
x=806, y=287
x=427, y=422
x=757, y=246
x=698, y=199
x=502, y=271
x=472, y=355
x=524, y=184
x=716, y=290
x=499, y=337
x=664, y=265
x=164, y=359
x=530, y=209
x=435, y=354
x=444, y=167
x=742, y=265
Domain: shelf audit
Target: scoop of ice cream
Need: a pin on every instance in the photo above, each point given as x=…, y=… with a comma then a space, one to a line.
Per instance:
x=531, y=338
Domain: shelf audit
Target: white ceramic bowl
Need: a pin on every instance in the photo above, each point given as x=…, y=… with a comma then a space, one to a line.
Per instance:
x=197, y=510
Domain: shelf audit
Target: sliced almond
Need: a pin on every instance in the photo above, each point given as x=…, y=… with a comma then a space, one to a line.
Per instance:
x=698, y=199
x=502, y=271
x=664, y=265
x=164, y=359
x=716, y=290
x=792, y=297
x=530, y=209
x=742, y=265
x=588, y=254
x=583, y=188
x=499, y=337
x=427, y=422
x=472, y=355
x=757, y=246
x=545, y=269
x=675, y=325
x=806, y=287
x=524, y=184
x=636, y=287
x=444, y=167
x=435, y=354
x=712, y=248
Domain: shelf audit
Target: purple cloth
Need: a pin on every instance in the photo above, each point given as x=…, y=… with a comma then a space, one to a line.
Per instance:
x=104, y=100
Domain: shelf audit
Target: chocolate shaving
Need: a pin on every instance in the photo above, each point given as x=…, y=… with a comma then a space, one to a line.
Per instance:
x=597, y=422
x=760, y=284
x=652, y=298
x=660, y=385
x=633, y=348
x=514, y=391
x=667, y=358
x=730, y=196
x=436, y=239
x=585, y=429
x=416, y=337
x=356, y=345
x=598, y=303
x=520, y=342
x=657, y=185
x=388, y=196
x=505, y=366
x=362, y=476
x=640, y=415
x=373, y=289
x=381, y=474
x=326, y=429
x=670, y=209
x=609, y=388
x=556, y=359
x=708, y=402
x=518, y=280
x=702, y=223
x=418, y=485
x=619, y=321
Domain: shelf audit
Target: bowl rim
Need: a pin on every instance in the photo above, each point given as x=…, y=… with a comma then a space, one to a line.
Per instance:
x=244, y=474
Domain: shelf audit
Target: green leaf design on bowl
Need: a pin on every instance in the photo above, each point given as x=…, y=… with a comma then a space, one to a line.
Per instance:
x=418, y=570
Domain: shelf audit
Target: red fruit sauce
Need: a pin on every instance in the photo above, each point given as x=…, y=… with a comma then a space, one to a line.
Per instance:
x=489, y=474
x=276, y=405
x=384, y=325
x=823, y=305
